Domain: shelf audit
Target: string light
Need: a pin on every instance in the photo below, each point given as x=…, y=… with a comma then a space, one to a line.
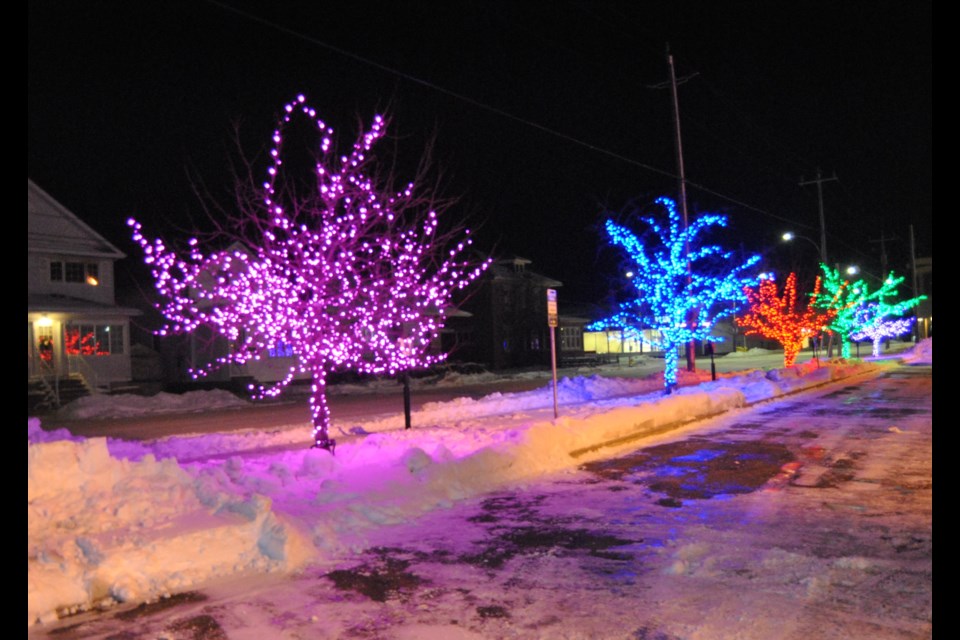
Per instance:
x=880, y=319
x=348, y=279
x=777, y=318
x=682, y=295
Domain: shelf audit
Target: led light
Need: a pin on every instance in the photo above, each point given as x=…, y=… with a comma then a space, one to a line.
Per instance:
x=681, y=290
x=862, y=312
x=776, y=317
x=334, y=278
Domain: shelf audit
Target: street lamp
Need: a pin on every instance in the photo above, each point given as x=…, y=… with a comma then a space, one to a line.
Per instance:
x=851, y=270
x=789, y=235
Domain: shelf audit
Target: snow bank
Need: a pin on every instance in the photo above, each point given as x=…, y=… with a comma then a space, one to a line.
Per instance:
x=124, y=405
x=110, y=521
x=102, y=529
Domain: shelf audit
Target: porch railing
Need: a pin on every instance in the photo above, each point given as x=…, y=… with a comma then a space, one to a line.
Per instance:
x=76, y=364
x=49, y=381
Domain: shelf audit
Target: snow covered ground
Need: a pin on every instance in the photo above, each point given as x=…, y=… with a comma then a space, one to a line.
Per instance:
x=113, y=521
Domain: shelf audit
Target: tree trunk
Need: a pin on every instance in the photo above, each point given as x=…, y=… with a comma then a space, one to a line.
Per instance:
x=320, y=412
x=790, y=351
x=670, y=364
x=845, y=348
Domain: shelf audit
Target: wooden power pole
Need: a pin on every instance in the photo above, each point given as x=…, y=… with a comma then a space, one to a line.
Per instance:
x=691, y=346
x=823, y=227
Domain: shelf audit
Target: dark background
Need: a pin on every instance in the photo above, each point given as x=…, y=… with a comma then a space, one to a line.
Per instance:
x=547, y=114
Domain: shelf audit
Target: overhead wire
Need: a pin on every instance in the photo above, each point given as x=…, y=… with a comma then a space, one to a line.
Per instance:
x=496, y=110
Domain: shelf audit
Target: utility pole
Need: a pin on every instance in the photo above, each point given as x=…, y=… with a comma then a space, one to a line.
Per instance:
x=691, y=346
x=883, y=253
x=913, y=270
x=823, y=228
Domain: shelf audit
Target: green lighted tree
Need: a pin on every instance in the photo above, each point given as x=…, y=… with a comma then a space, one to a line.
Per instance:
x=859, y=309
x=845, y=299
x=882, y=319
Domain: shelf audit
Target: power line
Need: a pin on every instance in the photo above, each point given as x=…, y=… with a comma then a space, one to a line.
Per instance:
x=490, y=108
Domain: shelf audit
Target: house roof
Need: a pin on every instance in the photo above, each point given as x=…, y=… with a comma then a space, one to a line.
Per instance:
x=52, y=228
x=516, y=269
x=54, y=303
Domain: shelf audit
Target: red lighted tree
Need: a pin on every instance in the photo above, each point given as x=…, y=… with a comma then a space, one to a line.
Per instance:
x=776, y=317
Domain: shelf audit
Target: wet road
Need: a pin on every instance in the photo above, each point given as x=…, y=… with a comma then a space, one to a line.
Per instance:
x=805, y=518
x=345, y=409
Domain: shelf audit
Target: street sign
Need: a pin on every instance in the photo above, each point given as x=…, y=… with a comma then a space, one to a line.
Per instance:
x=552, y=317
x=552, y=323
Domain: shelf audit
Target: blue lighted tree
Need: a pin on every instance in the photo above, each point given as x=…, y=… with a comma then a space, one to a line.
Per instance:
x=682, y=289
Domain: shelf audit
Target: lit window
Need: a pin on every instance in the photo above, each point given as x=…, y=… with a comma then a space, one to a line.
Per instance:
x=93, y=340
x=281, y=350
x=81, y=272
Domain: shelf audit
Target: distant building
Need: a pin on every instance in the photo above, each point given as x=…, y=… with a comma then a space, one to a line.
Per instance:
x=506, y=325
x=74, y=327
x=614, y=342
x=204, y=347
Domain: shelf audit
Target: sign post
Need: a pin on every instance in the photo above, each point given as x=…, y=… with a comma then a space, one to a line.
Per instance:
x=405, y=345
x=552, y=322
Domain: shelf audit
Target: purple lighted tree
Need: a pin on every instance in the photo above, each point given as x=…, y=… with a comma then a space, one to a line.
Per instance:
x=346, y=275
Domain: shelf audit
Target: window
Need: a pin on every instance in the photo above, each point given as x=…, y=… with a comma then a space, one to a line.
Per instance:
x=535, y=341
x=93, y=339
x=571, y=339
x=82, y=272
x=281, y=350
x=73, y=271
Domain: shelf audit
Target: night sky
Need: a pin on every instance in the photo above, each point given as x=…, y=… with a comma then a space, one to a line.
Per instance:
x=548, y=115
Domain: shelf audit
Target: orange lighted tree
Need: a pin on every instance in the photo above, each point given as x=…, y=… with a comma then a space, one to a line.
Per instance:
x=776, y=317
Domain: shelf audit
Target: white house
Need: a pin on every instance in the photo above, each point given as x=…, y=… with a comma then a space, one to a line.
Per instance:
x=74, y=326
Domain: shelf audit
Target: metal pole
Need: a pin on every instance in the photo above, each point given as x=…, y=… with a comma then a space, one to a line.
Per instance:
x=406, y=399
x=553, y=364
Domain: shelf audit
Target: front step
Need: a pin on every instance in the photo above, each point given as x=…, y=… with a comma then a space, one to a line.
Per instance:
x=69, y=388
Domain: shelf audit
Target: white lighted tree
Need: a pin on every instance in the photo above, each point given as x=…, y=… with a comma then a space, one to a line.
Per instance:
x=346, y=274
x=682, y=288
x=882, y=318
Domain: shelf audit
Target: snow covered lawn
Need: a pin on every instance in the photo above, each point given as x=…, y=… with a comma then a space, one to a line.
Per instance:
x=112, y=521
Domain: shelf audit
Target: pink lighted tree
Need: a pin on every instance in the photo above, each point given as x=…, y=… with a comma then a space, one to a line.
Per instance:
x=347, y=274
